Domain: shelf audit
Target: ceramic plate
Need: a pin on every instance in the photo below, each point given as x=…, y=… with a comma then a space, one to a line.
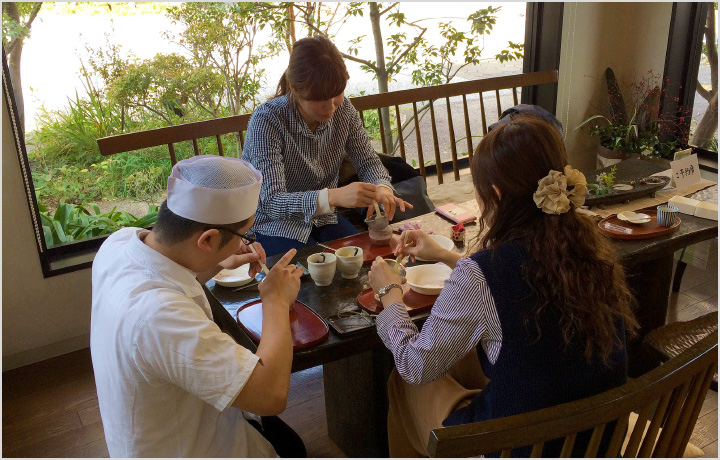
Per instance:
x=634, y=217
x=428, y=279
x=443, y=241
x=234, y=278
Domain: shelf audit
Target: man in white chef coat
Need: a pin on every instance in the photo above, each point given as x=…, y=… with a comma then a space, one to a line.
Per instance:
x=169, y=382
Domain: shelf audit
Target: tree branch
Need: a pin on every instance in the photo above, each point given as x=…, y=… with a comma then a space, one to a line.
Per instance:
x=358, y=60
x=702, y=91
x=33, y=14
x=389, y=8
x=407, y=50
x=710, y=45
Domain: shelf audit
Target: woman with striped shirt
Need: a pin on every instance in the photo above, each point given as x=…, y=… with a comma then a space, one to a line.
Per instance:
x=297, y=140
x=534, y=318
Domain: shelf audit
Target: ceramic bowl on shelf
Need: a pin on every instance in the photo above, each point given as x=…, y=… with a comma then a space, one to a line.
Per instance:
x=428, y=279
x=234, y=278
x=633, y=217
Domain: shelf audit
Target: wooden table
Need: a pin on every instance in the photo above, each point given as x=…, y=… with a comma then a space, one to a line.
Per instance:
x=356, y=367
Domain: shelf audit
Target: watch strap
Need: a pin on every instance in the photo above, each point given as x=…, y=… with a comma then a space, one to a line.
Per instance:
x=385, y=289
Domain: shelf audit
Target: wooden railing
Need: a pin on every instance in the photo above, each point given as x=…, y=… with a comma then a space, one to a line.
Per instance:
x=409, y=106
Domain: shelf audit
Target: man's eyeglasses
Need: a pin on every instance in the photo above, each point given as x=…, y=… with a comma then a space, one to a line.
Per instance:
x=247, y=238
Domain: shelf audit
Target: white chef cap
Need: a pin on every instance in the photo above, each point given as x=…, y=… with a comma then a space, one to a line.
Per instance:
x=214, y=190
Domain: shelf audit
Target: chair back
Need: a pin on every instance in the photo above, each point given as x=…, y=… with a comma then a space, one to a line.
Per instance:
x=670, y=396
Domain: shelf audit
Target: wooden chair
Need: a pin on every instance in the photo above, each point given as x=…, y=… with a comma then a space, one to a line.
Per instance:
x=670, y=396
x=672, y=339
x=422, y=100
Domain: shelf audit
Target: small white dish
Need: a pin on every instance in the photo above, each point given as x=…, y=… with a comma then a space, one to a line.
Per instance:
x=234, y=278
x=444, y=242
x=634, y=217
x=428, y=279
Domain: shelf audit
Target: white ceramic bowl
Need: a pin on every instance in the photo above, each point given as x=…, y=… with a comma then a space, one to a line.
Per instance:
x=428, y=279
x=443, y=241
x=234, y=278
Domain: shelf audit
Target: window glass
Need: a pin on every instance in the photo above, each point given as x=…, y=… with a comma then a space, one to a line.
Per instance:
x=704, y=122
x=90, y=70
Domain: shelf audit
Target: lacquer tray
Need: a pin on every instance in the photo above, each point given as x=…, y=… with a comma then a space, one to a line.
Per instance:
x=414, y=302
x=362, y=240
x=616, y=228
x=306, y=326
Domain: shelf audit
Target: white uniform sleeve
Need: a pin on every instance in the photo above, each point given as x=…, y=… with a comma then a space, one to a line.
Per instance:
x=179, y=344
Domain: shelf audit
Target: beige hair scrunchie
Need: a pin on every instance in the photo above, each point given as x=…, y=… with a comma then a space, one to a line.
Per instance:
x=552, y=194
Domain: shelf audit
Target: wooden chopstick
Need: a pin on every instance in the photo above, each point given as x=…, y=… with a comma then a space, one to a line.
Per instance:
x=262, y=265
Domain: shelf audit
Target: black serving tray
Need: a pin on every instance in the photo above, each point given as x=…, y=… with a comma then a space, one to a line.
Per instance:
x=628, y=171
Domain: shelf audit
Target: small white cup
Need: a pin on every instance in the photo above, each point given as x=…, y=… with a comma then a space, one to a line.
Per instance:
x=322, y=267
x=349, y=261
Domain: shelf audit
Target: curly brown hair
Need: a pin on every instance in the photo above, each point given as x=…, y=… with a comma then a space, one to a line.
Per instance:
x=573, y=269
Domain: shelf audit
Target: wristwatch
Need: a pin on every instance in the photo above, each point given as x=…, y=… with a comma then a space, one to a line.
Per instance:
x=385, y=289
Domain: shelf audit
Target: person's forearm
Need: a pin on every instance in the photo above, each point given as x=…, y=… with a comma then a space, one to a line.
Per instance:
x=275, y=349
x=266, y=392
x=291, y=205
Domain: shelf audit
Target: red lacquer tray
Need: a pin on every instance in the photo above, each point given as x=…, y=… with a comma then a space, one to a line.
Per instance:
x=362, y=240
x=616, y=228
x=414, y=302
x=306, y=326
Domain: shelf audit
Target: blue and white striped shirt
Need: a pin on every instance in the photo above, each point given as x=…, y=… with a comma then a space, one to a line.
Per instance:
x=297, y=164
x=464, y=315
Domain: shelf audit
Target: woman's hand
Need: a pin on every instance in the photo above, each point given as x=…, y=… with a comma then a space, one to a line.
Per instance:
x=244, y=255
x=419, y=244
x=386, y=197
x=354, y=195
x=281, y=286
x=381, y=275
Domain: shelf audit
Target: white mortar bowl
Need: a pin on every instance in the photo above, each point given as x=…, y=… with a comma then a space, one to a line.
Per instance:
x=428, y=279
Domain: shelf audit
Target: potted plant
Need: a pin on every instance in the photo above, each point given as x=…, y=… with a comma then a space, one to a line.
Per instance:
x=634, y=129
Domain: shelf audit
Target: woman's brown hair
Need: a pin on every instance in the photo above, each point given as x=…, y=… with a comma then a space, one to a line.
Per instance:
x=572, y=267
x=316, y=70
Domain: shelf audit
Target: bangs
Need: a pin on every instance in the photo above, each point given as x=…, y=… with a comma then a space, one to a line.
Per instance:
x=325, y=83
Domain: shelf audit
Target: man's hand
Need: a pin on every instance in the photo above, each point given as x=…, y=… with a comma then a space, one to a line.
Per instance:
x=282, y=284
x=242, y=256
x=355, y=195
x=385, y=196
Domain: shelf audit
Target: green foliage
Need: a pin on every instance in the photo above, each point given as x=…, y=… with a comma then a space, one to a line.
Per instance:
x=12, y=29
x=605, y=182
x=438, y=64
x=73, y=132
x=372, y=124
x=636, y=127
x=221, y=37
x=71, y=222
x=516, y=51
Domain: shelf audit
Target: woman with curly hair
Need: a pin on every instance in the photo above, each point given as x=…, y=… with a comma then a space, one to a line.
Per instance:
x=535, y=317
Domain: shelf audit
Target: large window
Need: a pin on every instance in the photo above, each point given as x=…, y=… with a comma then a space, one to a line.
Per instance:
x=90, y=70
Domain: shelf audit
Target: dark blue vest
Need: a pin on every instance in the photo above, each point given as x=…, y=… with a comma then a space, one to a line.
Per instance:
x=532, y=372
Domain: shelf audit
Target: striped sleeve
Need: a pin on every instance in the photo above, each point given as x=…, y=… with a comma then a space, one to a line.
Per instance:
x=463, y=315
x=264, y=150
x=361, y=153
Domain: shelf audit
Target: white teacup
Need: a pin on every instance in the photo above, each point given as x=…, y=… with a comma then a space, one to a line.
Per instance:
x=322, y=267
x=349, y=261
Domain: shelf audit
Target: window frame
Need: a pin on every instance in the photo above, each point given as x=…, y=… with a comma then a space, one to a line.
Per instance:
x=62, y=258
